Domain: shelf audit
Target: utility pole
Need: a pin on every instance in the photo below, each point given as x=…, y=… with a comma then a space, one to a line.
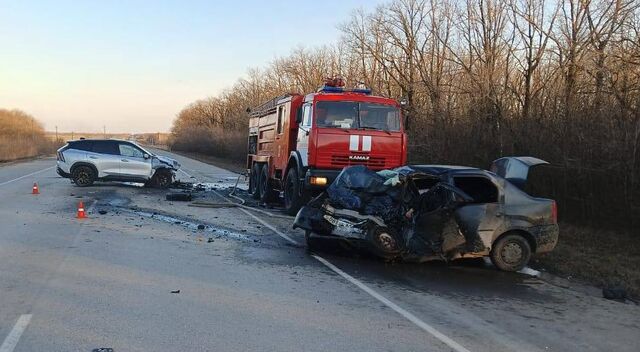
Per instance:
x=56, y=133
x=104, y=131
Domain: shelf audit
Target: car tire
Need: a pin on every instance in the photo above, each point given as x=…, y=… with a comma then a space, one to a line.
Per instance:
x=294, y=196
x=83, y=176
x=254, y=181
x=162, y=178
x=264, y=188
x=383, y=242
x=511, y=252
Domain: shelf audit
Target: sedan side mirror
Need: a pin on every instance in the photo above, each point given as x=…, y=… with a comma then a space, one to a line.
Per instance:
x=146, y=156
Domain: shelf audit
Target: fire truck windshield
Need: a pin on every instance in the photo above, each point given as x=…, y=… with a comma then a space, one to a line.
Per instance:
x=348, y=114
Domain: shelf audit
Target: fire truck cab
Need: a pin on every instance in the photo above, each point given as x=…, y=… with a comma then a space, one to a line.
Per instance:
x=298, y=143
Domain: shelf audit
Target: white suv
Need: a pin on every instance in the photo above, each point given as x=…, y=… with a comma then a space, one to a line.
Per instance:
x=88, y=160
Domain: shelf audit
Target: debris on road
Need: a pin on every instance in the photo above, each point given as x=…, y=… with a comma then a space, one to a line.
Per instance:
x=180, y=197
x=614, y=293
x=175, y=291
x=203, y=204
x=219, y=232
x=102, y=212
x=201, y=227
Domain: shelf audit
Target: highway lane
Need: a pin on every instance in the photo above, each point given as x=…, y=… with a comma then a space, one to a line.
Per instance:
x=107, y=282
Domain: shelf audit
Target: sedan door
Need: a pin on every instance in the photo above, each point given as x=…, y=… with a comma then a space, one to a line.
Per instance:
x=133, y=163
x=480, y=218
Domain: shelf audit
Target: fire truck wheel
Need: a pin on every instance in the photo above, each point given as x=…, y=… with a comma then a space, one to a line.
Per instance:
x=264, y=188
x=293, y=200
x=254, y=177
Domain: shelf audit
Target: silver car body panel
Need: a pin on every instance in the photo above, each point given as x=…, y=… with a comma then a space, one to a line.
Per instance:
x=111, y=166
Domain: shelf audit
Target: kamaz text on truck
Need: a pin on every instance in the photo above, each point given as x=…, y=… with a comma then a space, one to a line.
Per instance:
x=298, y=143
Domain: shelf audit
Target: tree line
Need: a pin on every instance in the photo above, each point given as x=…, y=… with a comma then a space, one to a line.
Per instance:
x=22, y=136
x=559, y=80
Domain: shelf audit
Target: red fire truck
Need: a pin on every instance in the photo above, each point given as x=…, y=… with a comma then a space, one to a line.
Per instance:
x=299, y=143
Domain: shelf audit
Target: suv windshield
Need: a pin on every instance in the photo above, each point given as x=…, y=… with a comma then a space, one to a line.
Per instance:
x=347, y=114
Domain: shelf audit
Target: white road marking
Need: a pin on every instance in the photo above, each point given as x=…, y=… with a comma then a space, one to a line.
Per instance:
x=407, y=315
x=25, y=176
x=291, y=240
x=412, y=318
x=12, y=339
x=267, y=225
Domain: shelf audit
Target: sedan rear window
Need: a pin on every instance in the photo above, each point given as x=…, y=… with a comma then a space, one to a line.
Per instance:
x=479, y=188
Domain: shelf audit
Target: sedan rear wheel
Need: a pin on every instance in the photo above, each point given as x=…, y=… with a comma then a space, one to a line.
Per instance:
x=511, y=252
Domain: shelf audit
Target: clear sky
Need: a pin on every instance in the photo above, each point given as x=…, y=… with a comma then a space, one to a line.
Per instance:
x=132, y=65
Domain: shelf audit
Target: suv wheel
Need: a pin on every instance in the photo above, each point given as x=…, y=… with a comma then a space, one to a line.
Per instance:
x=511, y=253
x=83, y=176
x=162, y=178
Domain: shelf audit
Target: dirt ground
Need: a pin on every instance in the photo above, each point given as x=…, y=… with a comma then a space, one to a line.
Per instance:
x=600, y=257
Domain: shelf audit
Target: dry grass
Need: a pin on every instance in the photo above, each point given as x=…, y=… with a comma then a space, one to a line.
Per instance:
x=22, y=136
x=158, y=139
x=596, y=256
x=229, y=145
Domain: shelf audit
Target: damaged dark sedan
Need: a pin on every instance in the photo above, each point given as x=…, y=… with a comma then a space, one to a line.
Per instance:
x=436, y=212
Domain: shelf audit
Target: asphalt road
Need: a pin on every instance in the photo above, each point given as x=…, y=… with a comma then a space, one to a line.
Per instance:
x=247, y=283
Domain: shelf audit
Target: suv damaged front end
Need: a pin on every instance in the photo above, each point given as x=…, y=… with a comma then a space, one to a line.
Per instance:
x=164, y=171
x=160, y=162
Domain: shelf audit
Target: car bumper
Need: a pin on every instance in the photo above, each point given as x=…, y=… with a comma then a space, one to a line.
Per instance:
x=546, y=237
x=62, y=173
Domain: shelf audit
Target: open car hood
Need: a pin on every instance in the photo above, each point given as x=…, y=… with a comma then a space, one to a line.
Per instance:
x=515, y=169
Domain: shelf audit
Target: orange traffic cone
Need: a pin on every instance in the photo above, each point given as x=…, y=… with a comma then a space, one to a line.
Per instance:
x=81, y=214
x=35, y=189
